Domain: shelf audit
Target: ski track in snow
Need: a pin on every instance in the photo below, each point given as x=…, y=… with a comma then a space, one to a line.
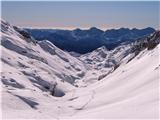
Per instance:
x=84, y=105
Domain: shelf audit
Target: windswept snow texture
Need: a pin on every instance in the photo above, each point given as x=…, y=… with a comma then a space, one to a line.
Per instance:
x=40, y=81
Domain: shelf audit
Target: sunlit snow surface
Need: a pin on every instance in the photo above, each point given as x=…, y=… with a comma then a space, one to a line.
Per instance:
x=29, y=70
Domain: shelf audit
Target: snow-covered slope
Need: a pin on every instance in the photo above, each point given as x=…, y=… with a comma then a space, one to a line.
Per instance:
x=40, y=81
x=102, y=58
x=131, y=91
x=102, y=62
x=28, y=64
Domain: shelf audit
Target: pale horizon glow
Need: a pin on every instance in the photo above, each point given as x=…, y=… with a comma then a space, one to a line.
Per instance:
x=83, y=15
x=82, y=28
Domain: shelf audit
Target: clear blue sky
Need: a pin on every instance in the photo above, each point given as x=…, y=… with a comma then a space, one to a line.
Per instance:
x=70, y=15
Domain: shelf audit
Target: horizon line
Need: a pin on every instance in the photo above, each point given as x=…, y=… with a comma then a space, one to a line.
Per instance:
x=85, y=28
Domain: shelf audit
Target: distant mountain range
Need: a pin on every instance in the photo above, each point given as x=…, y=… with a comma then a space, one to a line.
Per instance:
x=84, y=41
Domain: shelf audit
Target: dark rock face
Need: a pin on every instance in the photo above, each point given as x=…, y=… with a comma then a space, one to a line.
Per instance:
x=150, y=42
x=24, y=33
x=84, y=41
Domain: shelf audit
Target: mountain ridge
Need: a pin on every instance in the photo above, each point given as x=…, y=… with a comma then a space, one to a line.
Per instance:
x=84, y=41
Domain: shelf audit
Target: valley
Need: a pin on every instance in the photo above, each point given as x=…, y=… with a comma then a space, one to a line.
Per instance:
x=41, y=81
